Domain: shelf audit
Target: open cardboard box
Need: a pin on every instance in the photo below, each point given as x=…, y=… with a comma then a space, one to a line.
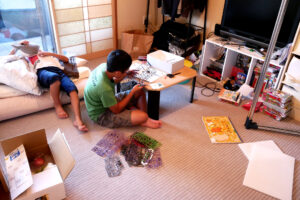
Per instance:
x=48, y=183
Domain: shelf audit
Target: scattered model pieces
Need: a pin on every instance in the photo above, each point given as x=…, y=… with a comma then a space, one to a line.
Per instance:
x=113, y=166
x=110, y=143
x=138, y=150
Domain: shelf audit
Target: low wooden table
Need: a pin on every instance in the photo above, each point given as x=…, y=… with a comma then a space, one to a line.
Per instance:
x=186, y=73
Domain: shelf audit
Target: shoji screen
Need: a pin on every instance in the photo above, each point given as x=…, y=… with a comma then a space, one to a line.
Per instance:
x=85, y=27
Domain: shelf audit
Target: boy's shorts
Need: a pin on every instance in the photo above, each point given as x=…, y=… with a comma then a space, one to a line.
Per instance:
x=48, y=75
x=123, y=119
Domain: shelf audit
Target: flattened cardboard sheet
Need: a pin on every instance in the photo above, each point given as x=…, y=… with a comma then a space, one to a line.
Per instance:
x=247, y=148
x=62, y=154
x=270, y=172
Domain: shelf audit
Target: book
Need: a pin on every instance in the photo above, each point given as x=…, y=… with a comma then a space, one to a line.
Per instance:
x=229, y=96
x=220, y=130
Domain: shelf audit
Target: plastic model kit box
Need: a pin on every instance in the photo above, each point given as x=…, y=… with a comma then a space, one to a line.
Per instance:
x=165, y=61
x=46, y=184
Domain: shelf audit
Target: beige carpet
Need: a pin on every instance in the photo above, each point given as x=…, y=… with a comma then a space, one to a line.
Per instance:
x=193, y=167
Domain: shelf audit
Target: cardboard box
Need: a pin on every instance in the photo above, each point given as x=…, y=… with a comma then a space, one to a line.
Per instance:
x=165, y=61
x=47, y=183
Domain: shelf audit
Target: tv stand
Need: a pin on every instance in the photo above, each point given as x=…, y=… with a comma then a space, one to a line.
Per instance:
x=252, y=46
x=215, y=44
x=237, y=41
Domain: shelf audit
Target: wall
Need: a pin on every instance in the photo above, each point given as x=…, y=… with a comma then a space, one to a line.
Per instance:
x=130, y=15
x=214, y=15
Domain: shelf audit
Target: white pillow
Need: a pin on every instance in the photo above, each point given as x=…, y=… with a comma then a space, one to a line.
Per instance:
x=8, y=58
x=19, y=75
x=80, y=61
x=7, y=91
x=84, y=72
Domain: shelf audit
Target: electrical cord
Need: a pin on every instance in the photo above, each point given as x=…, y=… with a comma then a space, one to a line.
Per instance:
x=206, y=87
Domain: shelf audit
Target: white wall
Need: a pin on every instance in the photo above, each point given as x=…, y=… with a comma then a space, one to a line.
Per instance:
x=130, y=15
x=214, y=15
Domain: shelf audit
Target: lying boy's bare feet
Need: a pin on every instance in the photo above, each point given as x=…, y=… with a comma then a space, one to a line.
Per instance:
x=61, y=113
x=80, y=126
x=151, y=123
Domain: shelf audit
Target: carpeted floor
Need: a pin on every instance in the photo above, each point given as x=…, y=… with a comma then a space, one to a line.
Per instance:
x=193, y=167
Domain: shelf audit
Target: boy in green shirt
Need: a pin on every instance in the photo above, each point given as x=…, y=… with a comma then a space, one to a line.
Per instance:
x=109, y=109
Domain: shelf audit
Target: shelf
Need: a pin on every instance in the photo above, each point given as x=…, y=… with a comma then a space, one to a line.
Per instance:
x=240, y=49
x=297, y=53
x=214, y=45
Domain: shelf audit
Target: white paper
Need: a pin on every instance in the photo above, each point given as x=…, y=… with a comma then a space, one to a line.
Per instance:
x=146, y=72
x=248, y=147
x=270, y=172
x=156, y=86
x=245, y=90
x=18, y=171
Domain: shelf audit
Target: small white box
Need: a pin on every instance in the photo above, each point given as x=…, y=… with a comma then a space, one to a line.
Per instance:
x=165, y=61
x=48, y=183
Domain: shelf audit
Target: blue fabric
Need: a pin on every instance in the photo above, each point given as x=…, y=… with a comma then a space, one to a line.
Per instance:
x=48, y=75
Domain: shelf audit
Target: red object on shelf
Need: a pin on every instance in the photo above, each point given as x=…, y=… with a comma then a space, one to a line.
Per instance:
x=213, y=74
x=235, y=70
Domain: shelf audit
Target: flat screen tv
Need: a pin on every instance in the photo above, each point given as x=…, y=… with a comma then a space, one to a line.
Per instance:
x=254, y=21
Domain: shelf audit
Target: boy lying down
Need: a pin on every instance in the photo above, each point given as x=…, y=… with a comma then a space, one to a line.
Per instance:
x=50, y=75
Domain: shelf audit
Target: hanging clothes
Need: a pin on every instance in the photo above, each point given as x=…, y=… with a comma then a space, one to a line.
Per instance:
x=191, y=5
x=169, y=7
x=2, y=25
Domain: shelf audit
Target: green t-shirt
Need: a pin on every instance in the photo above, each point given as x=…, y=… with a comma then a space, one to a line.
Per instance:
x=99, y=92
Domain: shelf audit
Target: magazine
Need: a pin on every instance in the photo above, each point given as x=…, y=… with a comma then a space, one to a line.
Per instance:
x=220, y=130
x=229, y=96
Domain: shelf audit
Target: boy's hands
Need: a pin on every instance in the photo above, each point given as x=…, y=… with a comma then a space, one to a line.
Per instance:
x=137, y=88
x=131, y=73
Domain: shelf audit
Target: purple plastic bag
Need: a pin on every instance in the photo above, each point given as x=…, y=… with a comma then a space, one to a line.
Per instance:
x=110, y=143
x=155, y=161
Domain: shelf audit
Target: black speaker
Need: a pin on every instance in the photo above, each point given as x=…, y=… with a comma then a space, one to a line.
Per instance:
x=217, y=29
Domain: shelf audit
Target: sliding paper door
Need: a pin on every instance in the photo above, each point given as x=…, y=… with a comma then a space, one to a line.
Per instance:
x=85, y=28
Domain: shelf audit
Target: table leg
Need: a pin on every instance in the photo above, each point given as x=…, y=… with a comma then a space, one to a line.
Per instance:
x=193, y=89
x=153, y=104
x=118, y=87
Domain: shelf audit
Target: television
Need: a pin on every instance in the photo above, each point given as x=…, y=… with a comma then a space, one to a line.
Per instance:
x=253, y=21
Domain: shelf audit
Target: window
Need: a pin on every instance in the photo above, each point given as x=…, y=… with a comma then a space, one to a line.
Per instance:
x=84, y=27
x=25, y=20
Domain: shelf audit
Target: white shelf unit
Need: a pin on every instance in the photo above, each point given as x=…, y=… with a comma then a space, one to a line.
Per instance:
x=285, y=84
x=213, y=45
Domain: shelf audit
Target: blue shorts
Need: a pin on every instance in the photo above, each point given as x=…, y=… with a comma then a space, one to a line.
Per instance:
x=48, y=75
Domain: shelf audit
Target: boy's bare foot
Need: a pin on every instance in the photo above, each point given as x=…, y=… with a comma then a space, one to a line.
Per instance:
x=151, y=123
x=80, y=126
x=61, y=113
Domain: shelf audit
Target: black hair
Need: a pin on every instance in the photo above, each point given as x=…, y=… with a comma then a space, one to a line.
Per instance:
x=118, y=60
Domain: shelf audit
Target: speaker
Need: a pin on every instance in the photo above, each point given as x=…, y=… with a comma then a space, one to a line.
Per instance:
x=217, y=29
